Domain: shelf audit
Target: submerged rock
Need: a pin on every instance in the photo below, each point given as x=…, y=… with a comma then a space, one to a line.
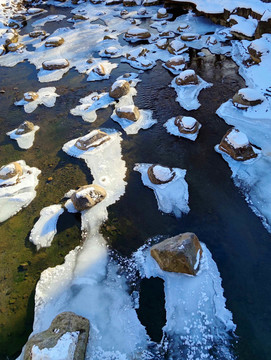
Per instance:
x=55, y=64
x=130, y=112
x=187, y=77
x=236, y=144
x=10, y=170
x=180, y=254
x=30, y=96
x=246, y=97
x=160, y=174
x=87, y=196
x=63, y=324
x=25, y=128
x=119, y=89
x=91, y=140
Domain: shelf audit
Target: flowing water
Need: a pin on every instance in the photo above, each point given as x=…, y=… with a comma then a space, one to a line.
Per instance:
x=219, y=215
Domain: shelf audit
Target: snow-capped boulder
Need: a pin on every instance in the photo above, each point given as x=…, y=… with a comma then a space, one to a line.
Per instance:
x=87, y=196
x=55, y=64
x=176, y=63
x=162, y=13
x=99, y=70
x=182, y=26
x=76, y=17
x=151, y=2
x=30, y=96
x=257, y=49
x=236, y=145
x=187, y=77
x=11, y=171
x=130, y=112
x=183, y=126
x=25, y=127
x=12, y=47
x=66, y=338
x=10, y=36
x=119, y=89
x=162, y=44
x=54, y=41
x=136, y=53
x=137, y=34
x=176, y=47
x=24, y=134
x=129, y=3
x=37, y=33
x=179, y=254
x=160, y=174
x=111, y=51
x=189, y=36
x=247, y=97
x=92, y=140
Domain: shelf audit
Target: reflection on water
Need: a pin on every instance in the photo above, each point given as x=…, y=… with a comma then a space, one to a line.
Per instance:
x=219, y=215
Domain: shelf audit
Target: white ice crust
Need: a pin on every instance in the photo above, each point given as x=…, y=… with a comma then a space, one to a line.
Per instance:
x=24, y=141
x=44, y=230
x=172, y=197
x=18, y=195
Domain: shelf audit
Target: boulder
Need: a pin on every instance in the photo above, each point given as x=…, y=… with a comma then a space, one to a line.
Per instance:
x=15, y=46
x=246, y=97
x=119, y=89
x=10, y=36
x=87, y=196
x=162, y=44
x=236, y=145
x=92, y=140
x=151, y=2
x=129, y=3
x=10, y=170
x=176, y=47
x=111, y=50
x=66, y=322
x=186, y=124
x=24, y=128
x=137, y=33
x=255, y=54
x=136, y=53
x=160, y=174
x=187, y=77
x=37, y=33
x=54, y=41
x=189, y=37
x=182, y=27
x=162, y=13
x=30, y=96
x=55, y=64
x=79, y=17
x=99, y=70
x=2, y=50
x=179, y=254
x=124, y=12
x=130, y=112
x=175, y=62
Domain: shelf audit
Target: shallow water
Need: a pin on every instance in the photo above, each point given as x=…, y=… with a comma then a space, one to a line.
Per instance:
x=219, y=214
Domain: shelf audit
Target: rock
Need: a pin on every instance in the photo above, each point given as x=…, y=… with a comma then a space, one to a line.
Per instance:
x=18, y=17
x=187, y=77
x=99, y=70
x=10, y=170
x=137, y=33
x=162, y=13
x=36, y=33
x=142, y=11
x=180, y=254
x=129, y=3
x=66, y=322
x=79, y=17
x=254, y=54
x=55, y=64
x=162, y=44
x=15, y=46
x=124, y=12
x=247, y=97
x=30, y=96
x=182, y=27
x=151, y=2
x=211, y=40
x=189, y=37
x=160, y=174
x=112, y=50
x=176, y=47
x=119, y=89
x=92, y=140
x=187, y=124
x=10, y=36
x=167, y=34
x=129, y=112
x=236, y=145
x=175, y=62
x=2, y=50
x=54, y=41
x=136, y=53
x=50, y=178
x=24, y=128
x=87, y=196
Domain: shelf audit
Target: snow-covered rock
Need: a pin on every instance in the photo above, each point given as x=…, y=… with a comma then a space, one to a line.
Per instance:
x=24, y=134
x=45, y=96
x=183, y=126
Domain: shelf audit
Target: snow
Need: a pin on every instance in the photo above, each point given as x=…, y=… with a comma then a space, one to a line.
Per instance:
x=237, y=139
x=196, y=316
x=44, y=230
x=266, y=15
x=162, y=173
x=188, y=122
x=63, y=350
x=251, y=94
x=187, y=95
x=178, y=46
x=24, y=141
x=244, y=26
x=46, y=96
x=18, y=195
x=107, y=66
x=58, y=62
x=173, y=129
x=50, y=18
x=172, y=197
x=136, y=31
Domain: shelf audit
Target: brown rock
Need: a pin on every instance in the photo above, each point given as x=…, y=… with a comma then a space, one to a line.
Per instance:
x=141, y=35
x=180, y=254
x=241, y=153
x=96, y=138
x=189, y=37
x=15, y=46
x=151, y=2
x=175, y=47
x=161, y=14
x=54, y=41
x=37, y=33
x=185, y=130
x=162, y=44
x=154, y=179
x=79, y=17
x=240, y=101
x=62, y=323
x=11, y=36
x=119, y=89
x=187, y=77
x=25, y=128
x=99, y=70
x=2, y=50
x=133, y=114
x=255, y=55
x=87, y=196
x=30, y=96
x=10, y=170
x=51, y=65
x=175, y=61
